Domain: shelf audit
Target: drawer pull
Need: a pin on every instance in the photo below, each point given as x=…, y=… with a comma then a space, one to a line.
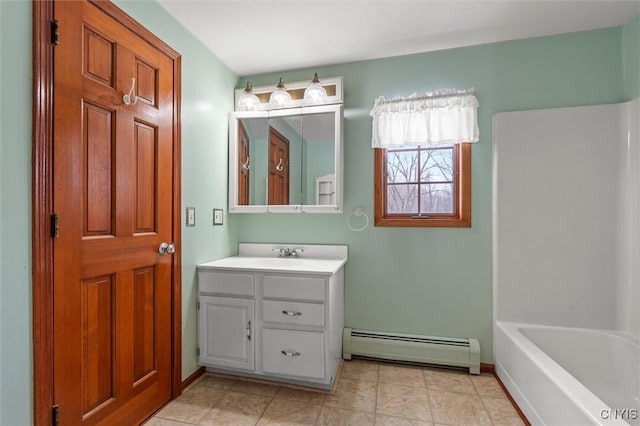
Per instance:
x=292, y=354
x=292, y=314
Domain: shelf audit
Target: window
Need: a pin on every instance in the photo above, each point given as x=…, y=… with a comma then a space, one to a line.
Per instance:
x=423, y=186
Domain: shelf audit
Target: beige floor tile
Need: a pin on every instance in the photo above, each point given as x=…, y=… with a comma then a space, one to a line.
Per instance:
x=401, y=375
x=487, y=385
x=399, y=421
x=502, y=412
x=290, y=413
x=216, y=382
x=454, y=408
x=158, y=421
x=452, y=381
x=330, y=416
x=403, y=401
x=359, y=369
x=201, y=395
x=236, y=408
x=300, y=395
x=183, y=412
x=255, y=388
x=354, y=395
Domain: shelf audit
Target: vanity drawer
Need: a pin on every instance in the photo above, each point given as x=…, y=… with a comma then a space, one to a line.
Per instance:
x=294, y=287
x=231, y=284
x=293, y=353
x=297, y=313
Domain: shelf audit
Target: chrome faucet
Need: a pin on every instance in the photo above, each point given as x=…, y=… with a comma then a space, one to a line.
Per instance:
x=287, y=252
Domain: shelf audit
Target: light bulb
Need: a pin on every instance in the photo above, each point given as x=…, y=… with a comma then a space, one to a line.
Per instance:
x=315, y=93
x=280, y=97
x=248, y=101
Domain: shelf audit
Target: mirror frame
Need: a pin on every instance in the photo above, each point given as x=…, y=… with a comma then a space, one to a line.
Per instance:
x=234, y=118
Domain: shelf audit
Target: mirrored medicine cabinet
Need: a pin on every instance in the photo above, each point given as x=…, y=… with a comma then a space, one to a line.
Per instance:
x=286, y=160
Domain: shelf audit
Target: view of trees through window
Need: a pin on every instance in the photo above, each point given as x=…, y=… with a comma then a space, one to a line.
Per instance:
x=420, y=180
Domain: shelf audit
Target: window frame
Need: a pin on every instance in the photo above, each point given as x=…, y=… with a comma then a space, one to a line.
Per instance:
x=461, y=218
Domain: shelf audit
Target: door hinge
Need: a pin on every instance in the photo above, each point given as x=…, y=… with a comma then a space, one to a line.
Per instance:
x=55, y=415
x=55, y=226
x=55, y=32
x=198, y=305
x=198, y=351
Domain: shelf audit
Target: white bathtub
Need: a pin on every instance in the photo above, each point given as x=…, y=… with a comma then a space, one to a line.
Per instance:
x=569, y=376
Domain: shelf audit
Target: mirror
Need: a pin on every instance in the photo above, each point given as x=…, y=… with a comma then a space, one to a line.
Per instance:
x=286, y=160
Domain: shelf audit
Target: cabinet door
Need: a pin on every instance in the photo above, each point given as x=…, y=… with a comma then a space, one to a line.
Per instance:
x=225, y=333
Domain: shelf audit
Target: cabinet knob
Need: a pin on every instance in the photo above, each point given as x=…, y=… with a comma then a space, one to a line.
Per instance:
x=289, y=353
x=292, y=314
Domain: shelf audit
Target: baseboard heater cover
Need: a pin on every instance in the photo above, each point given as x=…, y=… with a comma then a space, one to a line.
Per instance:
x=446, y=351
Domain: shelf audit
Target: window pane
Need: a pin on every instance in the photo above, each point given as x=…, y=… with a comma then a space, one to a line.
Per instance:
x=437, y=198
x=402, y=166
x=402, y=199
x=436, y=165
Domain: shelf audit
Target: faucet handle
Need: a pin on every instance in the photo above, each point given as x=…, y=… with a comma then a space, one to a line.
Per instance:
x=296, y=251
x=280, y=250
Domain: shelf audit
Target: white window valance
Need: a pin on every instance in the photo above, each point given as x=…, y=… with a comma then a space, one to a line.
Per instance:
x=440, y=117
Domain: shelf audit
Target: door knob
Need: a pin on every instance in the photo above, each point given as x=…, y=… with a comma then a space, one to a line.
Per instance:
x=166, y=249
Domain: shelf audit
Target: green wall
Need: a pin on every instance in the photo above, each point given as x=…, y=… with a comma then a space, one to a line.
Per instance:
x=15, y=214
x=438, y=281
x=631, y=58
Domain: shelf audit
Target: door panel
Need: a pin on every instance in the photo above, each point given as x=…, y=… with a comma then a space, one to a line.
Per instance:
x=278, y=168
x=98, y=148
x=244, y=165
x=98, y=333
x=144, y=307
x=145, y=138
x=113, y=193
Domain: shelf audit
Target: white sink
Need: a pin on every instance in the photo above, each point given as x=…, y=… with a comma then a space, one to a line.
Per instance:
x=314, y=259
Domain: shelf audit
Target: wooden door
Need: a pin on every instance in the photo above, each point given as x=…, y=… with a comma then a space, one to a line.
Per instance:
x=278, y=168
x=244, y=165
x=113, y=183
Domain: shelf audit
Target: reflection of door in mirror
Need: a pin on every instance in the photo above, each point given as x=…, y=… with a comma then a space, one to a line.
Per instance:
x=278, y=168
x=244, y=166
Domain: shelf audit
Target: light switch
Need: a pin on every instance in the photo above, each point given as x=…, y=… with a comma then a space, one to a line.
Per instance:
x=217, y=216
x=191, y=216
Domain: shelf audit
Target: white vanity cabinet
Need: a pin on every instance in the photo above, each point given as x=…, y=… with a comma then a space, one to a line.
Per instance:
x=280, y=322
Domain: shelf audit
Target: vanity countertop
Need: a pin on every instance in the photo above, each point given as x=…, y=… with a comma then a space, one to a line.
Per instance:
x=277, y=264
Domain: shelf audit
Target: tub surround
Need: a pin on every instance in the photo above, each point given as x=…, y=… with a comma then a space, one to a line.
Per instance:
x=566, y=277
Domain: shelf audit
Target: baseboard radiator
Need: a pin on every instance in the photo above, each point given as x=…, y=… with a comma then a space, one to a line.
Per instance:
x=446, y=351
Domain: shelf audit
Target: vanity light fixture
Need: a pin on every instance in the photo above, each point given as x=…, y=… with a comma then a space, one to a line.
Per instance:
x=280, y=97
x=315, y=93
x=248, y=101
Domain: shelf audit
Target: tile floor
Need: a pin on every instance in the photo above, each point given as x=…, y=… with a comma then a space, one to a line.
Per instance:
x=367, y=393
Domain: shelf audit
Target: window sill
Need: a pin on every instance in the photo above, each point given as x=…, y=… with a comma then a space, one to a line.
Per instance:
x=454, y=222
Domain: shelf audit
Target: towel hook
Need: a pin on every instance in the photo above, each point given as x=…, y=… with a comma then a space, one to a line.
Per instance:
x=280, y=167
x=126, y=98
x=247, y=164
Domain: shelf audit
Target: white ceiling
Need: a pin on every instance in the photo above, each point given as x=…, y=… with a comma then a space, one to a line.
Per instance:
x=260, y=36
